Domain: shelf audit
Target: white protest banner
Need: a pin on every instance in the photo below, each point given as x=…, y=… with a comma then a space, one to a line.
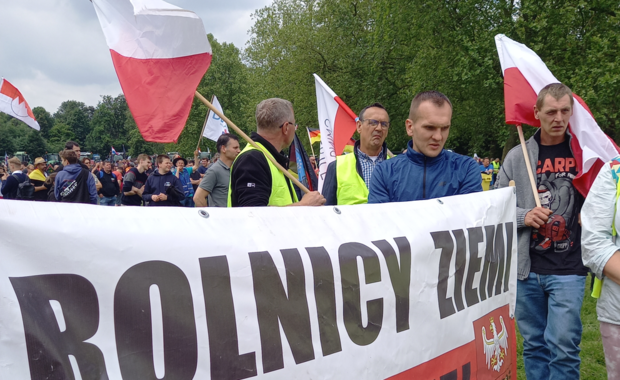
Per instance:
x=417, y=290
x=215, y=127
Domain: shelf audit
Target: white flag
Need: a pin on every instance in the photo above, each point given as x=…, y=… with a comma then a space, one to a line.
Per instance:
x=215, y=127
x=13, y=103
x=337, y=124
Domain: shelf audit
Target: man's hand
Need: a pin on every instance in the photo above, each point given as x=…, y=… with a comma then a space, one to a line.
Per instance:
x=155, y=198
x=313, y=198
x=537, y=216
x=163, y=197
x=100, y=195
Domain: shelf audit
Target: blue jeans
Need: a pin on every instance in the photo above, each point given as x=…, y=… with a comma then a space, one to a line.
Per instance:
x=107, y=201
x=549, y=318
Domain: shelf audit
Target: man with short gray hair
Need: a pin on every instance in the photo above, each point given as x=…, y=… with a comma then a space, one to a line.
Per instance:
x=254, y=180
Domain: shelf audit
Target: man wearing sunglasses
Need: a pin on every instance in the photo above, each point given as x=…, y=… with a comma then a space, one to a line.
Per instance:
x=347, y=179
x=254, y=180
x=426, y=170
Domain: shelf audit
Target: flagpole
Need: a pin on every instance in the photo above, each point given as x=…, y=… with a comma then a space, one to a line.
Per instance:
x=204, y=125
x=251, y=142
x=528, y=166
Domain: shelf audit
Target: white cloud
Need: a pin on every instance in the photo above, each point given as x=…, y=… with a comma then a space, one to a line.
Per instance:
x=54, y=50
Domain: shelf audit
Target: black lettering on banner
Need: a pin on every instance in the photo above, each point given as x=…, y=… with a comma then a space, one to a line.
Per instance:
x=454, y=375
x=133, y=324
x=461, y=262
x=501, y=255
x=400, y=277
x=49, y=348
x=272, y=304
x=352, y=313
x=443, y=240
x=325, y=295
x=475, y=238
x=490, y=237
x=509, y=235
x=494, y=262
x=226, y=363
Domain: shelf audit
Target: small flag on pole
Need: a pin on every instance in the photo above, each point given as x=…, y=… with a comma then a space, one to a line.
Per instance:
x=114, y=151
x=13, y=103
x=314, y=135
x=215, y=127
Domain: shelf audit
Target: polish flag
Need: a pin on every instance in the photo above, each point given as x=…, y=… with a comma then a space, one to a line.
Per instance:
x=160, y=53
x=337, y=125
x=13, y=103
x=525, y=74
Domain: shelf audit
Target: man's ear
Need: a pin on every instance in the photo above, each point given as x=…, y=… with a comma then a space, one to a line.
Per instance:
x=536, y=113
x=409, y=127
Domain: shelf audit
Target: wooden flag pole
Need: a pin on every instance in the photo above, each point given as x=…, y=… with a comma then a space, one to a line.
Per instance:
x=310, y=141
x=204, y=125
x=528, y=166
x=251, y=142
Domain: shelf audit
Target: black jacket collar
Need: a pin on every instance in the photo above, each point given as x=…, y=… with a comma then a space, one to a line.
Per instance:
x=279, y=156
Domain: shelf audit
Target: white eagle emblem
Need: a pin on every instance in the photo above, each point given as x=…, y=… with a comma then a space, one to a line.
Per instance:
x=496, y=348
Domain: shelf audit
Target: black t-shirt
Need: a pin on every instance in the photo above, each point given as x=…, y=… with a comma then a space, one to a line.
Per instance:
x=195, y=176
x=136, y=179
x=555, y=248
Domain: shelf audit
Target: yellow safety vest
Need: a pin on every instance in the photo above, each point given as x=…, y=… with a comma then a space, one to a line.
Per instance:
x=280, y=189
x=351, y=189
x=495, y=167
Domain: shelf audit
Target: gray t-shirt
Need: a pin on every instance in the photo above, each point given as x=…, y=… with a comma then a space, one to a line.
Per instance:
x=216, y=181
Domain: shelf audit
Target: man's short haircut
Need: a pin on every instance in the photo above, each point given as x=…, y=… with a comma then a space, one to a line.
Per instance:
x=143, y=156
x=69, y=155
x=435, y=97
x=557, y=90
x=107, y=162
x=85, y=159
x=486, y=158
x=223, y=140
x=272, y=113
x=70, y=144
x=161, y=158
x=373, y=105
x=15, y=161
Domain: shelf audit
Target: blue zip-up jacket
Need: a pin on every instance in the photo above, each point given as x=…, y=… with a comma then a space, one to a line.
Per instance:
x=413, y=176
x=157, y=184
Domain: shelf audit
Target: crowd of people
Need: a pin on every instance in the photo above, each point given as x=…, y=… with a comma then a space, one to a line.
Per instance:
x=559, y=242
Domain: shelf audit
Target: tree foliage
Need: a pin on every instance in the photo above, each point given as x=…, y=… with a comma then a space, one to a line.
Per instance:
x=374, y=51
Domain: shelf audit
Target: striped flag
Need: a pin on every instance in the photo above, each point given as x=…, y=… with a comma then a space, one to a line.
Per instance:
x=13, y=103
x=160, y=53
x=525, y=74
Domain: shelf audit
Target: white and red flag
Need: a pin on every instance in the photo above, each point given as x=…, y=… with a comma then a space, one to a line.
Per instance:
x=525, y=74
x=13, y=103
x=160, y=53
x=337, y=125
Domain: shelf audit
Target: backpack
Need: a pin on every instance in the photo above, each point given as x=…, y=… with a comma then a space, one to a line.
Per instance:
x=25, y=190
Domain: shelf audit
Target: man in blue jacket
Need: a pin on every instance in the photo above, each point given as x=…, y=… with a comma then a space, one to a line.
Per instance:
x=426, y=171
x=162, y=188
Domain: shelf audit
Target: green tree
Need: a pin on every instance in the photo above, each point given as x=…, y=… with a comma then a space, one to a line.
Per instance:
x=35, y=145
x=108, y=125
x=59, y=135
x=45, y=120
x=77, y=116
x=6, y=144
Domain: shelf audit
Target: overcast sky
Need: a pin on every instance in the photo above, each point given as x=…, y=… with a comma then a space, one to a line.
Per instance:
x=54, y=50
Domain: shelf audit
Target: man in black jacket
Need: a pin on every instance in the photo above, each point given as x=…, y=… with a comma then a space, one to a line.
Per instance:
x=162, y=187
x=109, y=186
x=10, y=182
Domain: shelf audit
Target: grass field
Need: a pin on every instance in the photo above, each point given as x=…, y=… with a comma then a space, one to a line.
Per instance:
x=592, y=356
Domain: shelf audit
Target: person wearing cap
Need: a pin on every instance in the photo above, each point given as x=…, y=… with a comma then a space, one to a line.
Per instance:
x=183, y=174
x=254, y=179
x=37, y=177
x=10, y=183
x=348, y=178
